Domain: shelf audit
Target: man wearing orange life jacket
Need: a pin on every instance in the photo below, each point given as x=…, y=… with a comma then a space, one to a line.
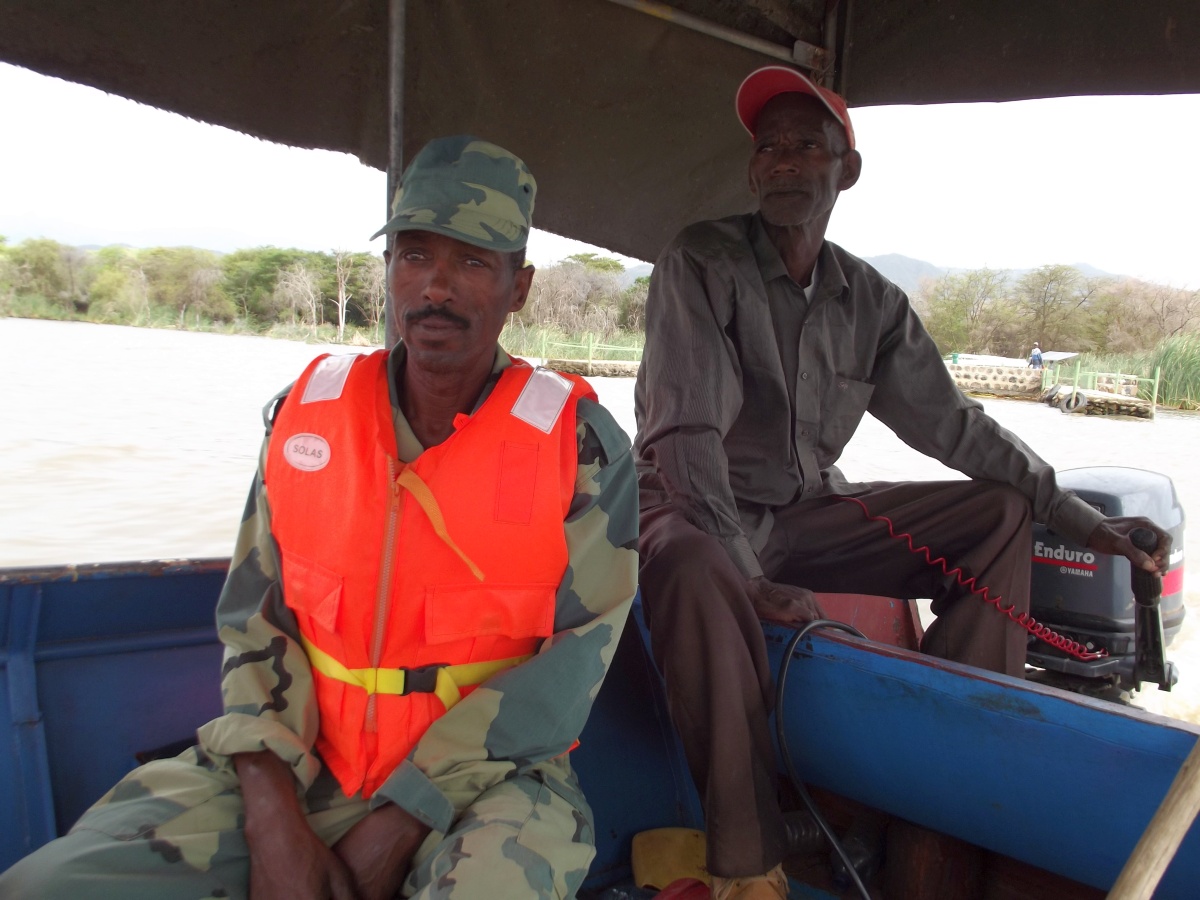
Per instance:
x=432, y=574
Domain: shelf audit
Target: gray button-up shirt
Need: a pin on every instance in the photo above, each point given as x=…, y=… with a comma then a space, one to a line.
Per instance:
x=748, y=393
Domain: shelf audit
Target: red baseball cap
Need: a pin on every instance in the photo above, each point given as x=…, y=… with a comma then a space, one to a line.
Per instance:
x=770, y=81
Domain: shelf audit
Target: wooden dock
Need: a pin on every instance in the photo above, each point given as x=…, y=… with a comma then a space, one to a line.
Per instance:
x=596, y=367
x=1097, y=403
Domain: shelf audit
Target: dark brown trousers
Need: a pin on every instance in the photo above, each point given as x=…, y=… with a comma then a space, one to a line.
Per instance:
x=709, y=645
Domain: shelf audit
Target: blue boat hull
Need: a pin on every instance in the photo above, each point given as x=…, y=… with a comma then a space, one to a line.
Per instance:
x=1059, y=781
x=99, y=664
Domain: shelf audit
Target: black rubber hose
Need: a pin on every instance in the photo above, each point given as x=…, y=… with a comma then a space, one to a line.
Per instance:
x=780, y=684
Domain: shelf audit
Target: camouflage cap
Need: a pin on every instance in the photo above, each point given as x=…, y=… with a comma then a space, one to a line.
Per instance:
x=468, y=189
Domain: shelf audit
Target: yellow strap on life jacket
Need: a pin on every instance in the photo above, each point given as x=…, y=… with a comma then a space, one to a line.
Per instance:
x=450, y=679
x=411, y=482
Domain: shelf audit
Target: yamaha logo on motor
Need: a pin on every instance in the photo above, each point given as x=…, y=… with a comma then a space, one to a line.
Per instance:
x=1069, y=562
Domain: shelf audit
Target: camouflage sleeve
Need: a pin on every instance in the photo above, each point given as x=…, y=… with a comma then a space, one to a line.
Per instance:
x=536, y=711
x=266, y=682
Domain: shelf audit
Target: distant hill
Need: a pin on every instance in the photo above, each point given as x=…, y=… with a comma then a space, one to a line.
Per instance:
x=92, y=248
x=908, y=273
x=905, y=271
x=1092, y=272
x=630, y=275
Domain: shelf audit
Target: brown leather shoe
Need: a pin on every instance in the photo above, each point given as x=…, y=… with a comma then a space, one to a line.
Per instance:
x=772, y=886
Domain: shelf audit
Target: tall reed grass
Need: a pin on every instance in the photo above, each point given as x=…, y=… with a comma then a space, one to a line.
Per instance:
x=553, y=343
x=33, y=306
x=1178, y=358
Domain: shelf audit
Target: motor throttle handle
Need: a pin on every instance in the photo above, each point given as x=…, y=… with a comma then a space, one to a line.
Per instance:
x=1150, y=660
x=1147, y=586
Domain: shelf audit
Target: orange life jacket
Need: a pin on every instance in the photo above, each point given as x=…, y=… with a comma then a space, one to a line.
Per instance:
x=413, y=583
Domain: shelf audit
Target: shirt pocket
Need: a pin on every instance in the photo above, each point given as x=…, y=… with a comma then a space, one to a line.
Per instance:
x=455, y=612
x=312, y=591
x=516, y=482
x=844, y=403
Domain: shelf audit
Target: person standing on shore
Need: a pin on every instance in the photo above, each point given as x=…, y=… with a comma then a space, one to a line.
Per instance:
x=1035, y=356
x=432, y=573
x=765, y=345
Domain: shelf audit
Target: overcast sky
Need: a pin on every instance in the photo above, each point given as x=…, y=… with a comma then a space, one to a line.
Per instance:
x=1110, y=181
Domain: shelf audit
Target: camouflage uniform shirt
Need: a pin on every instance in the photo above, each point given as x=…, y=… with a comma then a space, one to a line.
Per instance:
x=518, y=718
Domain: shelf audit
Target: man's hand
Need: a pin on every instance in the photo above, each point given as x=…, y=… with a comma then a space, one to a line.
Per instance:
x=782, y=603
x=379, y=849
x=287, y=859
x=1112, y=536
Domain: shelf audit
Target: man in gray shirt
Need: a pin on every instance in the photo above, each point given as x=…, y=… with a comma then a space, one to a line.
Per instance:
x=765, y=345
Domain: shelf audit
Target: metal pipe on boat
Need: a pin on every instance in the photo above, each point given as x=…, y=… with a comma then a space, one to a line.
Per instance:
x=829, y=32
x=785, y=752
x=397, y=38
x=803, y=54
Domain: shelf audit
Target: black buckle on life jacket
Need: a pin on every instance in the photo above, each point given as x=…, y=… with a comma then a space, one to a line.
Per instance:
x=421, y=680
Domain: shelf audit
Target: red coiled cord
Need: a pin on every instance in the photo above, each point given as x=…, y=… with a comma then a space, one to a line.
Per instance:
x=1026, y=621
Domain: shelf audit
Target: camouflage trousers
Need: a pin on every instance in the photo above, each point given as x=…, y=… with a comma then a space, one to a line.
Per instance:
x=172, y=830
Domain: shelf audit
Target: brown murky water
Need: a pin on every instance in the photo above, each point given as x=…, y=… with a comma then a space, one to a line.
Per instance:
x=126, y=443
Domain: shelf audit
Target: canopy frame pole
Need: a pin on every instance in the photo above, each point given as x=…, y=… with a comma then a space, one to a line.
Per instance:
x=829, y=29
x=802, y=54
x=838, y=21
x=397, y=38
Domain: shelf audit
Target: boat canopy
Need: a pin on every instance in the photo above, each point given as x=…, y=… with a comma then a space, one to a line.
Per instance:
x=621, y=108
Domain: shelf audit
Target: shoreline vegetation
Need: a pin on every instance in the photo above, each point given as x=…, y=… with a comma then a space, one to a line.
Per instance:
x=583, y=307
x=1116, y=325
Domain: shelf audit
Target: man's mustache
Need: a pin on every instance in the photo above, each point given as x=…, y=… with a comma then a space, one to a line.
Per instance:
x=785, y=185
x=429, y=312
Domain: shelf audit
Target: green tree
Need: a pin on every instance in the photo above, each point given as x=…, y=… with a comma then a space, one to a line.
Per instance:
x=1133, y=316
x=119, y=292
x=39, y=267
x=1053, y=301
x=6, y=277
x=633, y=304
x=249, y=278
x=945, y=314
x=120, y=296
x=184, y=279
x=574, y=298
x=343, y=261
x=371, y=295
x=597, y=263
x=298, y=289
x=967, y=312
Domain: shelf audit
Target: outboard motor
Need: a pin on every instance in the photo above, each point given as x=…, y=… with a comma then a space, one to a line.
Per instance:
x=1088, y=597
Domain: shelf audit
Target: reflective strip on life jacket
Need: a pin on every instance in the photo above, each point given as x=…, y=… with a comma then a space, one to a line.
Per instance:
x=449, y=679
